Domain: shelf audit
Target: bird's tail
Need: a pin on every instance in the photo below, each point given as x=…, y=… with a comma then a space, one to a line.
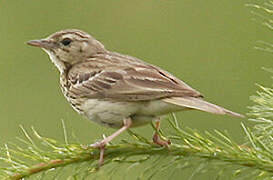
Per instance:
x=200, y=104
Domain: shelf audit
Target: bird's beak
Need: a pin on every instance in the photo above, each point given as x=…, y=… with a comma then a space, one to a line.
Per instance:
x=42, y=43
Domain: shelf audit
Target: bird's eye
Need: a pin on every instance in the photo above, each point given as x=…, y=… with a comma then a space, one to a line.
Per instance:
x=66, y=41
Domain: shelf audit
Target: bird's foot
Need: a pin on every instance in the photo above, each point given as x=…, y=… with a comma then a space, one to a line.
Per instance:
x=160, y=142
x=157, y=139
x=100, y=145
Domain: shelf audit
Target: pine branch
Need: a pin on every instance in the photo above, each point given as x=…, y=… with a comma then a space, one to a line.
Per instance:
x=263, y=11
x=187, y=144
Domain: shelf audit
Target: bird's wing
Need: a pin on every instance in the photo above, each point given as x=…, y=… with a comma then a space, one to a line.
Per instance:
x=118, y=77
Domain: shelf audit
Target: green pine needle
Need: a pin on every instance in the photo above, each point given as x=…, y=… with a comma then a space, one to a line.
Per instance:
x=191, y=149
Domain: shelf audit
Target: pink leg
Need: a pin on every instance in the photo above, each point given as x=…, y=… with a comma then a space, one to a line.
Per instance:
x=156, y=137
x=101, y=145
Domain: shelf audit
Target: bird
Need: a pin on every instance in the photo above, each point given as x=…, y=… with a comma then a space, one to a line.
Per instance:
x=116, y=90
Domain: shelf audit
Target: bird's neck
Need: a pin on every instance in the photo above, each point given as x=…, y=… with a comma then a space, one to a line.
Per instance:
x=61, y=66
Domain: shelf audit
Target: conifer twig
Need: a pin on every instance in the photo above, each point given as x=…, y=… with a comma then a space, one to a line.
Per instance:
x=188, y=143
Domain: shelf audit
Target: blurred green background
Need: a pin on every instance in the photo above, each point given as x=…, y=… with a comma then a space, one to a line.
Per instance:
x=208, y=44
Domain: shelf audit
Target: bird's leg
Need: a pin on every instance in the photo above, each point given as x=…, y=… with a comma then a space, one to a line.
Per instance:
x=156, y=137
x=101, y=144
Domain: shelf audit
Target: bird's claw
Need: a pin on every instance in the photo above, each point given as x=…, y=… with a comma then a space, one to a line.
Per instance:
x=160, y=142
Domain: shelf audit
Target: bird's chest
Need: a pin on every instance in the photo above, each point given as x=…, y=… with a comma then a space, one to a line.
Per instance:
x=73, y=100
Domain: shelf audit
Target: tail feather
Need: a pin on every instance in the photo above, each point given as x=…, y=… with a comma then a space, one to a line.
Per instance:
x=200, y=104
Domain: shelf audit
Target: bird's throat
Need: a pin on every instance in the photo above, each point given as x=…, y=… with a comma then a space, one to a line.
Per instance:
x=56, y=61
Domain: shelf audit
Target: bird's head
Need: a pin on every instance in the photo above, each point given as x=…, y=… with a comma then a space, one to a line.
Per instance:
x=68, y=47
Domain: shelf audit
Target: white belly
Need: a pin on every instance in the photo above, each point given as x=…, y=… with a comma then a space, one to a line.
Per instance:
x=112, y=114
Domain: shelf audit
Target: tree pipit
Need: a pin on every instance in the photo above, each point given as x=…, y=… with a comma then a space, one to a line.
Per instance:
x=116, y=90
